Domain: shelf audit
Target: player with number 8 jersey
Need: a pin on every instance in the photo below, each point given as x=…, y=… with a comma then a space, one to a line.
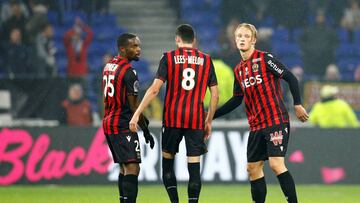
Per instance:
x=187, y=72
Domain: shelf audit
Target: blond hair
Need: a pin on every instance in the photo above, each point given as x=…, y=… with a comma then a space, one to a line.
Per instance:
x=249, y=26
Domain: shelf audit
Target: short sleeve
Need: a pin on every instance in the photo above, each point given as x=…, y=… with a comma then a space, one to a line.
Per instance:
x=212, y=75
x=162, y=70
x=274, y=65
x=131, y=82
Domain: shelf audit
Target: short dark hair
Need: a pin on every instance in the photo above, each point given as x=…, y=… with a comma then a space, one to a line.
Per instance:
x=186, y=33
x=123, y=39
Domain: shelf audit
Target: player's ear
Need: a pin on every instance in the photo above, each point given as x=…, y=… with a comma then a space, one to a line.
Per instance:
x=178, y=39
x=253, y=41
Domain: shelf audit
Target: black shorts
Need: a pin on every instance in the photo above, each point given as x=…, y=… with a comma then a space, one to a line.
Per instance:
x=124, y=147
x=268, y=142
x=194, y=140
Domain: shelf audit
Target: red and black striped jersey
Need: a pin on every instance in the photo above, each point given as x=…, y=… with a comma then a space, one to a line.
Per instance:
x=258, y=80
x=119, y=80
x=188, y=72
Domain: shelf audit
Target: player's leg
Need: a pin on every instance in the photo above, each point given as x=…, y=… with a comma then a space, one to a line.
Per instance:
x=120, y=184
x=277, y=164
x=195, y=147
x=194, y=185
x=256, y=154
x=130, y=182
x=111, y=140
x=277, y=146
x=171, y=137
x=127, y=151
x=169, y=178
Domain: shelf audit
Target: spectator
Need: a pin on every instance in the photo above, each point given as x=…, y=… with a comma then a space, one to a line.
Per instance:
x=77, y=108
x=45, y=48
x=37, y=21
x=16, y=55
x=17, y=20
x=7, y=10
x=318, y=44
x=332, y=112
x=351, y=17
x=332, y=73
x=76, y=49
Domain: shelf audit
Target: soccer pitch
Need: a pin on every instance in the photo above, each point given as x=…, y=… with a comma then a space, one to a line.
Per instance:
x=211, y=193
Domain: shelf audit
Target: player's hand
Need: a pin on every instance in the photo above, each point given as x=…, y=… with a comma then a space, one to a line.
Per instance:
x=208, y=129
x=133, y=124
x=301, y=113
x=149, y=138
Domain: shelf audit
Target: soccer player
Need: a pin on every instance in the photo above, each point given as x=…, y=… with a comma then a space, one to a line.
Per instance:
x=257, y=79
x=120, y=85
x=187, y=72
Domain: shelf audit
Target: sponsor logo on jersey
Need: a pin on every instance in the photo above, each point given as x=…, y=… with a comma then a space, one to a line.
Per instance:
x=275, y=67
x=128, y=138
x=251, y=81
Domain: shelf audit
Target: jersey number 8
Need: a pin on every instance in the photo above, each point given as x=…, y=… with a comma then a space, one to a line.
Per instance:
x=188, y=82
x=108, y=84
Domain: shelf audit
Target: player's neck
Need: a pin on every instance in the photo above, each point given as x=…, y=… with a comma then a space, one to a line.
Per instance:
x=182, y=45
x=245, y=55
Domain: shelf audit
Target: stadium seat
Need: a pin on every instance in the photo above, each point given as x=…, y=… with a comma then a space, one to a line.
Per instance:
x=59, y=32
x=280, y=35
x=285, y=49
x=61, y=65
x=100, y=19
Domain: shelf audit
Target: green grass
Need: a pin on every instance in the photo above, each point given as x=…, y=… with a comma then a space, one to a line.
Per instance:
x=156, y=194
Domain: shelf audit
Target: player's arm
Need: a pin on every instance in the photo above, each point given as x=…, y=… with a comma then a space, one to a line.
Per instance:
x=233, y=102
x=143, y=121
x=132, y=89
x=150, y=94
x=279, y=70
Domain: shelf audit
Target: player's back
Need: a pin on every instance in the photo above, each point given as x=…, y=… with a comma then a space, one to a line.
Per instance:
x=187, y=72
x=117, y=110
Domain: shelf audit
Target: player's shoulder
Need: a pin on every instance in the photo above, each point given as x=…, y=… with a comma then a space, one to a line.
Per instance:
x=268, y=55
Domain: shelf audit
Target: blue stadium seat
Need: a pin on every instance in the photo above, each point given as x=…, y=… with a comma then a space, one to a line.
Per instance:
x=53, y=17
x=285, y=49
x=60, y=48
x=357, y=37
x=347, y=50
x=69, y=17
x=59, y=32
x=343, y=35
x=145, y=76
x=200, y=4
x=103, y=19
x=280, y=35
x=61, y=65
x=347, y=67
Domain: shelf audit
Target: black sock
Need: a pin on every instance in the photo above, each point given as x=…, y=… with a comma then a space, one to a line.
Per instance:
x=169, y=179
x=130, y=186
x=288, y=186
x=121, y=190
x=258, y=190
x=194, y=186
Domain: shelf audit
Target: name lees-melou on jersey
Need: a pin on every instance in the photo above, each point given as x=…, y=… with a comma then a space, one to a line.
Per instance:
x=181, y=59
